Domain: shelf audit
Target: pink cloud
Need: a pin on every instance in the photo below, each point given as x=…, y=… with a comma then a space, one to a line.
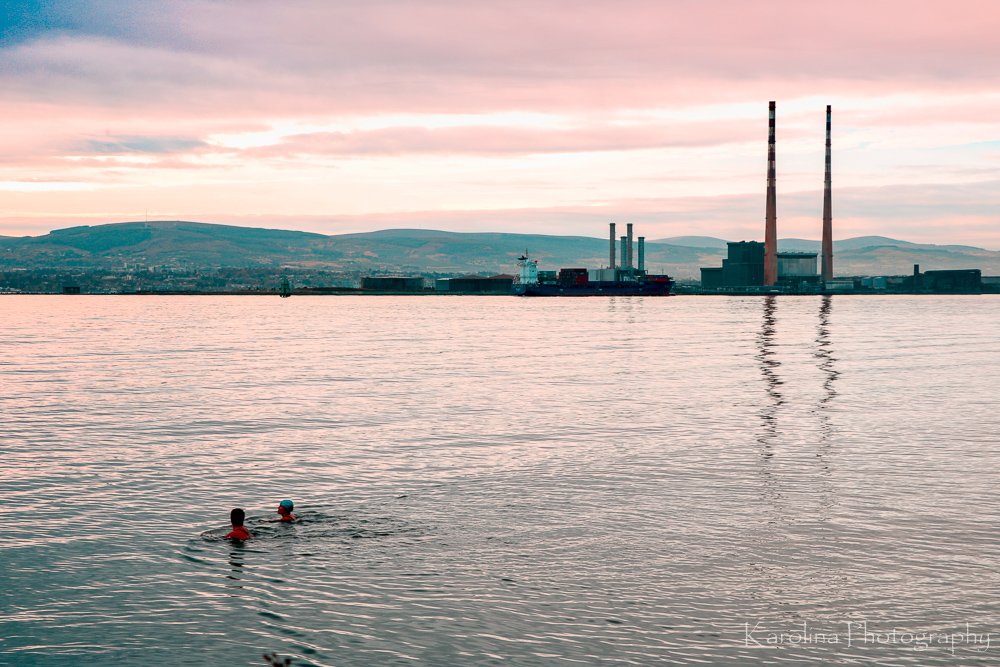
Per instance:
x=487, y=140
x=188, y=71
x=260, y=57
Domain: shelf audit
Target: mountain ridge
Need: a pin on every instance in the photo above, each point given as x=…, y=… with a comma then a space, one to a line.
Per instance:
x=205, y=245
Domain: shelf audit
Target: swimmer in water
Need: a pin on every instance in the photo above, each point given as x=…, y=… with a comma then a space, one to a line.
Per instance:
x=239, y=531
x=285, y=508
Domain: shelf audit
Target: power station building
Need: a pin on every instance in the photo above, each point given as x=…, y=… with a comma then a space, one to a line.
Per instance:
x=758, y=267
x=795, y=268
x=744, y=267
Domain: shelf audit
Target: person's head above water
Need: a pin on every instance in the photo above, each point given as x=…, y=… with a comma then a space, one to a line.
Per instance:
x=285, y=508
x=239, y=531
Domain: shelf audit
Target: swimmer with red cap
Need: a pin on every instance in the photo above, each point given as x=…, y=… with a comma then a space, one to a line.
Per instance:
x=285, y=508
x=239, y=531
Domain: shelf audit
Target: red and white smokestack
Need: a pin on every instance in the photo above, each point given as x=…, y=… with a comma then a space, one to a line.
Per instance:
x=628, y=260
x=770, y=218
x=828, y=208
x=611, y=245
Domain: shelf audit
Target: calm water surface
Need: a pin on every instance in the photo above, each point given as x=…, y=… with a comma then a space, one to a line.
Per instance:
x=500, y=481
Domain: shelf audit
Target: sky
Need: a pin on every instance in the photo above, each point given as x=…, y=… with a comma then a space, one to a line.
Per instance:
x=550, y=117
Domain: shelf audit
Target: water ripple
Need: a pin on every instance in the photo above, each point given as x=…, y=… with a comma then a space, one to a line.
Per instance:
x=487, y=481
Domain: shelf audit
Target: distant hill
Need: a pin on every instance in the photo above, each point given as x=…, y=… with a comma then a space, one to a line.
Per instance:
x=191, y=243
x=202, y=245
x=206, y=246
x=806, y=245
x=695, y=241
x=860, y=242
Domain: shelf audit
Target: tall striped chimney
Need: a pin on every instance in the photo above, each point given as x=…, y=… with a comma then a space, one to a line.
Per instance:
x=628, y=260
x=771, y=223
x=611, y=262
x=827, y=208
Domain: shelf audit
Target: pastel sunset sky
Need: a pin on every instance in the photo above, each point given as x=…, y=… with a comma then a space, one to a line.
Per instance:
x=528, y=116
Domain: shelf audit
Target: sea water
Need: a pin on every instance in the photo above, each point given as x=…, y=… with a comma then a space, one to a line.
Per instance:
x=494, y=480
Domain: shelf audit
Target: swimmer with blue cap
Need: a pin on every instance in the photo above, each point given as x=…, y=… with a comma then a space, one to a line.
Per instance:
x=285, y=508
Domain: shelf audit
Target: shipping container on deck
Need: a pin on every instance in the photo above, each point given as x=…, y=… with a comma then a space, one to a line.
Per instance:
x=569, y=277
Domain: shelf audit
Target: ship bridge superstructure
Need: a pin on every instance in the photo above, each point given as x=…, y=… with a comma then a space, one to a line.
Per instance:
x=527, y=270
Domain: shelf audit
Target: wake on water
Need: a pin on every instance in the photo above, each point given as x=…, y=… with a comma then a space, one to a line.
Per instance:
x=317, y=525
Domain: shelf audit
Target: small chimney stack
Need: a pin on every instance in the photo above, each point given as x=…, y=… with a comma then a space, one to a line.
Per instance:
x=611, y=262
x=624, y=249
x=642, y=253
x=628, y=262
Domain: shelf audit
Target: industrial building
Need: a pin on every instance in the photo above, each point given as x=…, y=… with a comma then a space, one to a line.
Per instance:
x=797, y=268
x=711, y=277
x=393, y=283
x=499, y=284
x=627, y=268
x=745, y=267
x=757, y=267
x=955, y=281
x=875, y=283
x=624, y=276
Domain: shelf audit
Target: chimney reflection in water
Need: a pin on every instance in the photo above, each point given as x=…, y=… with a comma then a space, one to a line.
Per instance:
x=768, y=369
x=825, y=363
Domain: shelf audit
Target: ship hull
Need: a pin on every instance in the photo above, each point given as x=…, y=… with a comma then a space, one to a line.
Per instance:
x=597, y=289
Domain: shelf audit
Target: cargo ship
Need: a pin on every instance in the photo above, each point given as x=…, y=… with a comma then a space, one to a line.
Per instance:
x=624, y=279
